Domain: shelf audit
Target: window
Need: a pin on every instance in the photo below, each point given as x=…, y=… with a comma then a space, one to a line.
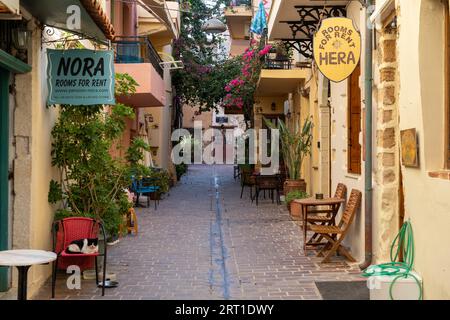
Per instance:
x=354, y=122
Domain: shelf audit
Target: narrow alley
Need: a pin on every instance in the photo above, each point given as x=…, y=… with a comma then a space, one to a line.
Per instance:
x=204, y=242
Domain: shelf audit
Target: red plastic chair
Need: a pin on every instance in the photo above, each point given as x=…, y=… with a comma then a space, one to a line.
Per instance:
x=77, y=228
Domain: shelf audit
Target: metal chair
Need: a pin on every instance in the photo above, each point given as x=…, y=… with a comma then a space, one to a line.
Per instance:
x=270, y=183
x=145, y=186
x=247, y=180
x=72, y=229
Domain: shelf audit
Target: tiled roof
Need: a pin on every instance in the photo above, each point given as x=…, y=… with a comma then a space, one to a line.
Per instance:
x=97, y=13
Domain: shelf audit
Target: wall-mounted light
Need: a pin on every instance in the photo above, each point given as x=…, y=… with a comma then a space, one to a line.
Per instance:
x=21, y=38
x=273, y=106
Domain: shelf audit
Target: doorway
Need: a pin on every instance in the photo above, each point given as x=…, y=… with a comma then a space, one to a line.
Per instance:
x=274, y=119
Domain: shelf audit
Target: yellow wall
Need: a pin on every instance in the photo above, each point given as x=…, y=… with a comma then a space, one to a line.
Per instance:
x=422, y=107
x=32, y=125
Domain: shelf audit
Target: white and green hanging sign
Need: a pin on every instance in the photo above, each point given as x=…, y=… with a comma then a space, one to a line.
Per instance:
x=80, y=77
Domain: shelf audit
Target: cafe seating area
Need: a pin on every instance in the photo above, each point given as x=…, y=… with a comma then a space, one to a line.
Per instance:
x=318, y=221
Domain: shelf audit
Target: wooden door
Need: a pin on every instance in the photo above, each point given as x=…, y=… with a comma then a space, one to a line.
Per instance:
x=354, y=122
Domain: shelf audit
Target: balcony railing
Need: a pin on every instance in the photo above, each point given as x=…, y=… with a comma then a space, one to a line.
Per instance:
x=280, y=63
x=137, y=50
x=237, y=3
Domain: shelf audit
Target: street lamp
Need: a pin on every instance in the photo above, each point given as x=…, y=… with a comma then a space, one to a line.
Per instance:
x=214, y=26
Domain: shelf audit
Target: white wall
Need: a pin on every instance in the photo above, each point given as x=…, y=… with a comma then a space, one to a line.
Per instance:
x=339, y=170
x=427, y=200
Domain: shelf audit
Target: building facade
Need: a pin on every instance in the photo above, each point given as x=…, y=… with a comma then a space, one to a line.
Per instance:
x=410, y=94
x=26, y=216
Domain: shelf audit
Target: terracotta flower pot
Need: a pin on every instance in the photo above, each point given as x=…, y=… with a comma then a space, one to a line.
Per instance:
x=293, y=185
x=296, y=210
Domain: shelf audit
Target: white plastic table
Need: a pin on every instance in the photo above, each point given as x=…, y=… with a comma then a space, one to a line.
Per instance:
x=23, y=260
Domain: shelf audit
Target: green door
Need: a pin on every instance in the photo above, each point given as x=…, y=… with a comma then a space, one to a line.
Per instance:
x=4, y=159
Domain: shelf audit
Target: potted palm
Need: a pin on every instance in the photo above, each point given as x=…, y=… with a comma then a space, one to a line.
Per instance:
x=295, y=146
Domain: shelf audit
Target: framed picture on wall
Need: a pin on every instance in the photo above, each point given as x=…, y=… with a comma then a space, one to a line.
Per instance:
x=410, y=148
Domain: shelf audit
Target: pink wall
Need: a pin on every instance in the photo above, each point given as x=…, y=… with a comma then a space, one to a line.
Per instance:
x=238, y=47
x=151, y=91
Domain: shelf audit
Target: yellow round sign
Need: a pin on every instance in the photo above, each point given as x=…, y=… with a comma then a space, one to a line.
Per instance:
x=337, y=48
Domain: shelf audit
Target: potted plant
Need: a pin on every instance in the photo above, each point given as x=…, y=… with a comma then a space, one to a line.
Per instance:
x=293, y=207
x=295, y=146
x=162, y=180
x=181, y=169
x=281, y=51
x=83, y=138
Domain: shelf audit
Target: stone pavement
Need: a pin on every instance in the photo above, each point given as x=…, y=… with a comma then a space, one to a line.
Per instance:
x=204, y=242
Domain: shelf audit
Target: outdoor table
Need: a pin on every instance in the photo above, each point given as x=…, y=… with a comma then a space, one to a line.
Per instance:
x=333, y=203
x=23, y=260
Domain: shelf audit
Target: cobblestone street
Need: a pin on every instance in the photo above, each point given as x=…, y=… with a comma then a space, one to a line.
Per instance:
x=204, y=242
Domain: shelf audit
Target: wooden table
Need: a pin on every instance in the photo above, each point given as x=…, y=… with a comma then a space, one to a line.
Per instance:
x=23, y=260
x=333, y=203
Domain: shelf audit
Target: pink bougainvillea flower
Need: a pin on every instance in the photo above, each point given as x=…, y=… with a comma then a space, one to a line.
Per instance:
x=265, y=50
x=234, y=82
x=249, y=55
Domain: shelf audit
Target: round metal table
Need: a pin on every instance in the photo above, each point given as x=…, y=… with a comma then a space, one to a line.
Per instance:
x=23, y=260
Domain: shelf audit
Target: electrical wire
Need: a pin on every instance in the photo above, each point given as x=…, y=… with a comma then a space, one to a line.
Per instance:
x=403, y=245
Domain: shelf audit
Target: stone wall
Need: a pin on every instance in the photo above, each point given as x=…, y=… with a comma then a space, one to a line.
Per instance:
x=387, y=147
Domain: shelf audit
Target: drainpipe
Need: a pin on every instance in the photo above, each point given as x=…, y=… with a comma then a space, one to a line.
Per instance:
x=368, y=167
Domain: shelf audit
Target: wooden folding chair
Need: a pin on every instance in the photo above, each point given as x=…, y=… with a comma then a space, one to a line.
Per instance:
x=326, y=216
x=336, y=234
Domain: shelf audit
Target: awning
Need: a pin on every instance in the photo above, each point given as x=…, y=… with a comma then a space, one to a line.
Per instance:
x=382, y=12
x=9, y=10
x=159, y=9
x=94, y=21
x=13, y=64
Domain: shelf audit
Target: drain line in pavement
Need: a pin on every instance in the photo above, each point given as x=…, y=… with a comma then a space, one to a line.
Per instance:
x=218, y=249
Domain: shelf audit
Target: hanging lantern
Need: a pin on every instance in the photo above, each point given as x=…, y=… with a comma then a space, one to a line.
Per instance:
x=21, y=38
x=214, y=25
